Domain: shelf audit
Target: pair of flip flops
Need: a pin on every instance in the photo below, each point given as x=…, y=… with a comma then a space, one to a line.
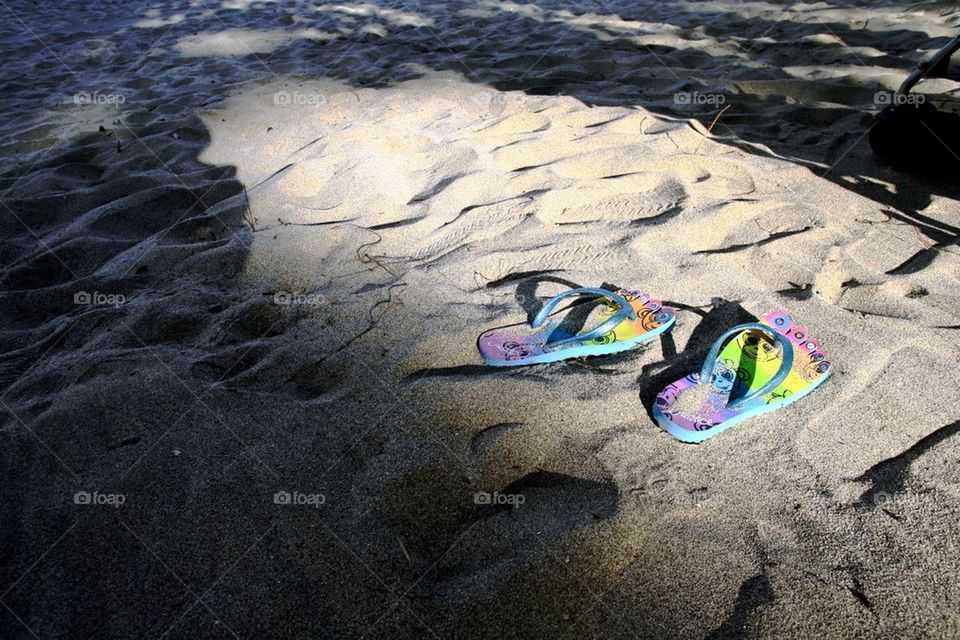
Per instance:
x=751, y=369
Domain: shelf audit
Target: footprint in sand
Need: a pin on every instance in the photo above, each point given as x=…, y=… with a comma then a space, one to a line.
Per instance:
x=643, y=197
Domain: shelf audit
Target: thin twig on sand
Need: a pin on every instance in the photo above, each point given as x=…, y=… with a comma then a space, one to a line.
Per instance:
x=712, y=125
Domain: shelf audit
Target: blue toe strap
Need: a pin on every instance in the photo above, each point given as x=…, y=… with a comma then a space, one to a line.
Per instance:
x=707, y=371
x=624, y=312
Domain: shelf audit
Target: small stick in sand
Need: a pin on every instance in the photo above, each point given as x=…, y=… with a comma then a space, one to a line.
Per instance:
x=581, y=363
x=710, y=128
x=404, y=550
x=712, y=125
x=248, y=216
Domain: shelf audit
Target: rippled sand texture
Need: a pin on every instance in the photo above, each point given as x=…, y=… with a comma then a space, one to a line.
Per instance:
x=247, y=249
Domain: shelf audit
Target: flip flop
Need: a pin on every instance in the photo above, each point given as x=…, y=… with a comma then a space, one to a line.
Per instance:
x=747, y=378
x=623, y=320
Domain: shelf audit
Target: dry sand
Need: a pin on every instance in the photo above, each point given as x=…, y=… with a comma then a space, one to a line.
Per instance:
x=292, y=221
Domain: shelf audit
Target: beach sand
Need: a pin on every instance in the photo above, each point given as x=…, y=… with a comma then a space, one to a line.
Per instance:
x=247, y=249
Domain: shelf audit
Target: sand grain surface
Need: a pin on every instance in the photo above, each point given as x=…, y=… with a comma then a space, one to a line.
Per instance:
x=247, y=248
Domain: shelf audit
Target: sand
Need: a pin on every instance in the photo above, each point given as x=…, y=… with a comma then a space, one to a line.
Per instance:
x=247, y=248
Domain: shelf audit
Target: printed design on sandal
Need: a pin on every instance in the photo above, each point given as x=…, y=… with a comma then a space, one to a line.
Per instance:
x=766, y=365
x=619, y=319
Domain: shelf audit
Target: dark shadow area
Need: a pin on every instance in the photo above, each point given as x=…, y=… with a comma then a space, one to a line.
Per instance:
x=119, y=247
x=889, y=477
x=755, y=593
x=470, y=371
x=162, y=211
x=526, y=293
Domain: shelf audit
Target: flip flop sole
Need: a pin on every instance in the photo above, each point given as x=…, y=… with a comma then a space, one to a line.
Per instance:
x=748, y=364
x=518, y=345
x=584, y=351
x=695, y=437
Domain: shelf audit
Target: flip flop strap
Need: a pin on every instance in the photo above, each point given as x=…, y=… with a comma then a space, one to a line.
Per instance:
x=707, y=371
x=625, y=311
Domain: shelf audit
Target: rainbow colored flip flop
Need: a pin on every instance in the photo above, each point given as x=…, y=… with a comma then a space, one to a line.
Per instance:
x=621, y=320
x=747, y=378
